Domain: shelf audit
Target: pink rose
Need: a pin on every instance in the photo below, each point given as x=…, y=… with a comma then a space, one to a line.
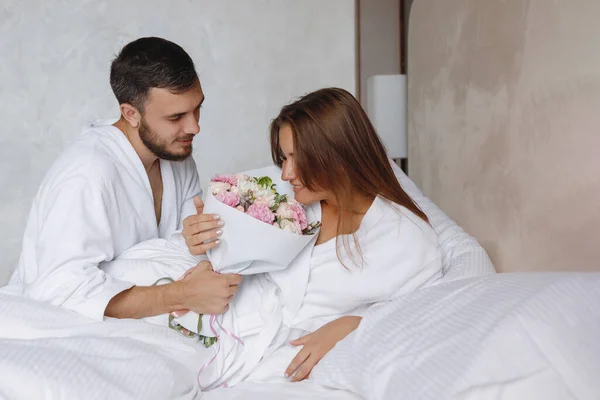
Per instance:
x=300, y=219
x=261, y=212
x=229, y=198
x=231, y=179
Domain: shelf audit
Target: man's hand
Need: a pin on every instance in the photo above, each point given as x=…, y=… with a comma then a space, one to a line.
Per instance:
x=202, y=291
x=201, y=231
x=207, y=292
x=317, y=344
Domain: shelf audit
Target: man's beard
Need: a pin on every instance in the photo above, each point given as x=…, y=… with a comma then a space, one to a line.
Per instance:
x=159, y=147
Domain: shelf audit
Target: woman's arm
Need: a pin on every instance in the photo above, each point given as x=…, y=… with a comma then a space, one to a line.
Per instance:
x=317, y=344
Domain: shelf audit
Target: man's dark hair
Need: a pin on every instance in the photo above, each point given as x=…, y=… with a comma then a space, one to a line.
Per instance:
x=150, y=62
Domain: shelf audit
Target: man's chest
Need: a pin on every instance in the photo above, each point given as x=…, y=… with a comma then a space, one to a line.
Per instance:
x=156, y=183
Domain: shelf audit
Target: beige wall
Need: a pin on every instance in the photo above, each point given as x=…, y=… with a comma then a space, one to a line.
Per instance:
x=379, y=40
x=504, y=125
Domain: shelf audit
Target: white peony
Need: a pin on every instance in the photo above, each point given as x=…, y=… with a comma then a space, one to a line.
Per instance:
x=289, y=226
x=242, y=177
x=285, y=211
x=217, y=187
x=245, y=186
x=261, y=192
x=266, y=199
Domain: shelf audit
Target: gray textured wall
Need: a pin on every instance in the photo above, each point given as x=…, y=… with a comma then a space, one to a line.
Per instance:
x=252, y=56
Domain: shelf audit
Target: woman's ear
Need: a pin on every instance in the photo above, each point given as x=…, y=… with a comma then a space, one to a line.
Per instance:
x=131, y=115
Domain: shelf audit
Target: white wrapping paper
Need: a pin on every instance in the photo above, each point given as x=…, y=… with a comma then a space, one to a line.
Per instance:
x=249, y=246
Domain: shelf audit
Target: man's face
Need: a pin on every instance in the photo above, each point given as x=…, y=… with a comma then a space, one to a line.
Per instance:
x=170, y=122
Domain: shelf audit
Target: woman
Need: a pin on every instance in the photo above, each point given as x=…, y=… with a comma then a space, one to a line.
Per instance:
x=374, y=243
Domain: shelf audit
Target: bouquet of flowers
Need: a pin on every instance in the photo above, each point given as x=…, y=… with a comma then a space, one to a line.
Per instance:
x=258, y=198
x=265, y=228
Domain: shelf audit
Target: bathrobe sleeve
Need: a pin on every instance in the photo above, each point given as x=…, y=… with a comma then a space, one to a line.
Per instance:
x=74, y=236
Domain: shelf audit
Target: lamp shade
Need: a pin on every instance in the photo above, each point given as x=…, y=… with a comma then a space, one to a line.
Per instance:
x=386, y=108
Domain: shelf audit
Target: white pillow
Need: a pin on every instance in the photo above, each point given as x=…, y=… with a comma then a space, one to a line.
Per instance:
x=462, y=256
x=506, y=336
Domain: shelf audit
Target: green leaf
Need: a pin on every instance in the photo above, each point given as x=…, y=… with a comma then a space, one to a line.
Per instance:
x=265, y=182
x=280, y=198
x=199, y=323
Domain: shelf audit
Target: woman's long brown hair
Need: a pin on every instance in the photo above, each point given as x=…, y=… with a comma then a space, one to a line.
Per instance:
x=336, y=149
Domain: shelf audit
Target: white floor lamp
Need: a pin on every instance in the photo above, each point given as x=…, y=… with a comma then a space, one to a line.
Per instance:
x=386, y=107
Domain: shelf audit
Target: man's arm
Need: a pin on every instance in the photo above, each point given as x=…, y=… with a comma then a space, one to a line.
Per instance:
x=202, y=291
x=145, y=301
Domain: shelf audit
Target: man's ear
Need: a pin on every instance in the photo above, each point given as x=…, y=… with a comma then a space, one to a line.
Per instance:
x=131, y=115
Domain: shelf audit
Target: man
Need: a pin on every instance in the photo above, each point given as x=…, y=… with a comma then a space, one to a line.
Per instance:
x=118, y=185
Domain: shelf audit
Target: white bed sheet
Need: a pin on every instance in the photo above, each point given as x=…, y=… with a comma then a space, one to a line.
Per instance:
x=279, y=391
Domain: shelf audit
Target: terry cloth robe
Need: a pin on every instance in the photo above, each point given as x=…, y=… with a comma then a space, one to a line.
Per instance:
x=400, y=255
x=94, y=203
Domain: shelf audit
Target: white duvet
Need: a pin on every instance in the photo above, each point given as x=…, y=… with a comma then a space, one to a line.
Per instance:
x=506, y=336
x=74, y=357
x=503, y=337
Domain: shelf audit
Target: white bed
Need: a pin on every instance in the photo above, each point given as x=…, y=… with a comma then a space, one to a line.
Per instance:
x=478, y=335
x=462, y=339
x=73, y=357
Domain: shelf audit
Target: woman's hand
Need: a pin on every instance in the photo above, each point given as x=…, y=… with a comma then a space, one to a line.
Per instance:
x=317, y=344
x=201, y=231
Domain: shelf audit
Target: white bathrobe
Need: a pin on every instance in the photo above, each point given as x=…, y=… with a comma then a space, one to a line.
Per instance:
x=94, y=203
x=400, y=254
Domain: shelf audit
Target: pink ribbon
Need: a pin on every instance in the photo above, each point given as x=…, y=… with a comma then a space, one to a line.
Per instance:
x=213, y=319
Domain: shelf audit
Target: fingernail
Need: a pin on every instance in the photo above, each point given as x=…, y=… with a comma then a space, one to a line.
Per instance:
x=220, y=223
x=217, y=242
x=286, y=375
x=219, y=232
x=216, y=217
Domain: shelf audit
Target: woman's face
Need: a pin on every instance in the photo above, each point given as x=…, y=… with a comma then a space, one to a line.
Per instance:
x=288, y=169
